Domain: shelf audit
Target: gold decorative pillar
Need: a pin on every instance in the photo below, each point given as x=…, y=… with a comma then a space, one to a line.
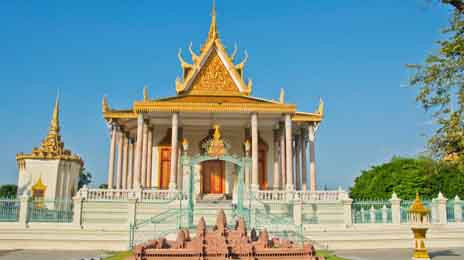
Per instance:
x=112, y=157
x=150, y=158
x=144, y=154
x=120, y=159
x=138, y=153
x=304, y=173
x=174, y=149
x=312, y=161
x=289, y=151
x=254, y=152
x=419, y=220
x=125, y=162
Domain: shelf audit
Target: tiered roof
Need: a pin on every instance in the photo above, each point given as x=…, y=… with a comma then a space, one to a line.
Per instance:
x=213, y=82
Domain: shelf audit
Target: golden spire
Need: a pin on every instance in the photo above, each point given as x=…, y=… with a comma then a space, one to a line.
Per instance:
x=55, y=123
x=213, y=33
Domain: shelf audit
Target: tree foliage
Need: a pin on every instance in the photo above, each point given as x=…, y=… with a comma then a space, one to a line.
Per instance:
x=8, y=191
x=85, y=178
x=441, y=88
x=406, y=176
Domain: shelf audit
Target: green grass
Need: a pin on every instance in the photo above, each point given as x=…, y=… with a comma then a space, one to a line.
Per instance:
x=329, y=255
x=119, y=255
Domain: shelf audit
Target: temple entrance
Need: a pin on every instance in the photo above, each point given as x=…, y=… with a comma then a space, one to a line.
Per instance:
x=213, y=181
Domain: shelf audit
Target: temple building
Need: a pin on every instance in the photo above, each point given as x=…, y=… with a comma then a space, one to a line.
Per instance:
x=213, y=105
x=50, y=172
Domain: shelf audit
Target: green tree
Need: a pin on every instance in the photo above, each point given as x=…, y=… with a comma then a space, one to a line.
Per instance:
x=406, y=176
x=85, y=178
x=441, y=87
x=7, y=191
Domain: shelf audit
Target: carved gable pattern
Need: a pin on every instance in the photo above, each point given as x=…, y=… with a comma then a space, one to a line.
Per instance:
x=214, y=78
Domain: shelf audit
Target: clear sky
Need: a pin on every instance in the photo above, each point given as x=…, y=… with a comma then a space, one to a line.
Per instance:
x=351, y=53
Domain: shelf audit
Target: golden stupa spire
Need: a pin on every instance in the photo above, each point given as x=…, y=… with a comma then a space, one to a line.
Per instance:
x=55, y=123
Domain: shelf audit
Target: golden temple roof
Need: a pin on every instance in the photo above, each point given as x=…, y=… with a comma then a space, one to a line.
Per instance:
x=52, y=148
x=418, y=206
x=212, y=82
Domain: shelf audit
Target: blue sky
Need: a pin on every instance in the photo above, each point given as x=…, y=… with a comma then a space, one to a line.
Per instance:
x=351, y=53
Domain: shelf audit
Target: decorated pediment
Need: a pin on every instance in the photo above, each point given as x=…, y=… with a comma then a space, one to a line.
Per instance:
x=213, y=71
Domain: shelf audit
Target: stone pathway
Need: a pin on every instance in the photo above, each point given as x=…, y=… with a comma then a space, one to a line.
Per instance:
x=400, y=254
x=49, y=255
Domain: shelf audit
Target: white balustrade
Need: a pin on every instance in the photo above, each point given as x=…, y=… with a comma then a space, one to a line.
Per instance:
x=124, y=194
x=278, y=195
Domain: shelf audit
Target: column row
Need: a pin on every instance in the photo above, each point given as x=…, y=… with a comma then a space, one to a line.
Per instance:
x=291, y=155
x=132, y=158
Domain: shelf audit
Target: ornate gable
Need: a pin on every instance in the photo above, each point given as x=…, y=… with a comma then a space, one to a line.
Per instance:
x=213, y=71
x=213, y=77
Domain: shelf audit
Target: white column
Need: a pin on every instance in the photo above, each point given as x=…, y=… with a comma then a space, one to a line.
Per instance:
x=254, y=152
x=457, y=209
x=150, y=158
x=120, y=158
x=130, y=177
x=111, y=157
x=312, y=161
x=276, y=181
x=144, y=155
x=304, y=172
x=125, y=162
x=442, y=216
x=138, y=152
x=283, y=165
x=297, y=162
x=174, y=145
x=288, y=151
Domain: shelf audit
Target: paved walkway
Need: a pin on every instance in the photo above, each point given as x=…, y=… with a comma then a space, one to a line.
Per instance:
x=48, y=255
x=399, y=254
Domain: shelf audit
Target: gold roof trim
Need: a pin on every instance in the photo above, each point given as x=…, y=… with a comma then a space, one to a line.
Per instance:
x=52, y=147
x=119, y=114
x=144, y=107
x=306, y=117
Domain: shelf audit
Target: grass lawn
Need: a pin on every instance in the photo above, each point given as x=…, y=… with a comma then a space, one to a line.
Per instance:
x=119, y=255
x=329, y=255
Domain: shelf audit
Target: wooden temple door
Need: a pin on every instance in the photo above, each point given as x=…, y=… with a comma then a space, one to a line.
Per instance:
x=213, y=176
x=165, y=167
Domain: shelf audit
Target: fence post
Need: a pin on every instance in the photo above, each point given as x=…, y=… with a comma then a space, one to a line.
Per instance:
x=372, y=214
x=24, y=209
x=384, y=214
x=441, y=200
x=131, y=211
x=396, y=209
x=347, y=213
x=457, y=209
x=298, y=212
x=77, y=210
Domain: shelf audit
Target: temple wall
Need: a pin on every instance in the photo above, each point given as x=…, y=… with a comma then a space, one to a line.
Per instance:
x=35, y=169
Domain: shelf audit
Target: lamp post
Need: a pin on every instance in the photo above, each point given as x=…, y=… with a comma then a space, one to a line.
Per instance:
x=419, y=220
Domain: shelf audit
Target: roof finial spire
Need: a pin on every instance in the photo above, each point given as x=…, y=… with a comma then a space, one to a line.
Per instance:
x=213, y=33
x=55, y=123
